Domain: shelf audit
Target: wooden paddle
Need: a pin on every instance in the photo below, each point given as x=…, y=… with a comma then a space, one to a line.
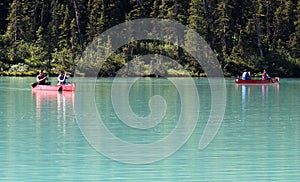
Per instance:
x=34, y=84
x=271, y=79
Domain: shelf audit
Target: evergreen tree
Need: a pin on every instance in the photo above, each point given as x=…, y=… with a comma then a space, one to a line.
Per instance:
x=14, y=28
x=223, y=31
x=4, y=7
x=81, y=19
x=41, y=44
x=64, y=28
x=155, y=8
x=283, y=23
x=294, y=42
x=164, y=8
x=196, y=19
x=174, y=10
x=95, y=24
x=53, y=24
x=113, y=13
x=21, y=23
x=139, y=9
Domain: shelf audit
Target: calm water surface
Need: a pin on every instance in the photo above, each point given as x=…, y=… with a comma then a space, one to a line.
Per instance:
x=259, y=139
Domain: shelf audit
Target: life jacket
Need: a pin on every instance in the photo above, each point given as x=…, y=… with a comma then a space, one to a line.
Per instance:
x=264, y=76
x=245, y=76
x=64, y=78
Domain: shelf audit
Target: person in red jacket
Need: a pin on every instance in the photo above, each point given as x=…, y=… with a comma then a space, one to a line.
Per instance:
x=41, y=78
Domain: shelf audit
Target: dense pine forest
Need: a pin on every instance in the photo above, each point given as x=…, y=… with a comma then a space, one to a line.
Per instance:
x=244, y=34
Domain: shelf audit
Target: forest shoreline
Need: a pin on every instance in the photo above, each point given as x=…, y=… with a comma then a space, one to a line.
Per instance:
x=31, y=74
x=52, y=35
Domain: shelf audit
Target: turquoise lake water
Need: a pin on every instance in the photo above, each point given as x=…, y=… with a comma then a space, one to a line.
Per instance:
x=50, y=137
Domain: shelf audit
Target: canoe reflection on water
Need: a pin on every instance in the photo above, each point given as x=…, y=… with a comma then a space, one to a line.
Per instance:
x=60, y=103
x=250, y=97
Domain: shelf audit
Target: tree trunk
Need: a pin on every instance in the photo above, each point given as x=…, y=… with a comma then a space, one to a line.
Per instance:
x=16, y=23
x=78, y=26
x=258, y=31
x=207, y=17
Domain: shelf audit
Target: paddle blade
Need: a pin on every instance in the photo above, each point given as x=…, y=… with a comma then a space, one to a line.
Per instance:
x=34, y=84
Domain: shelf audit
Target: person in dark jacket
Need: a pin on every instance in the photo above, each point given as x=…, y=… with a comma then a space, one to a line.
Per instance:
x=42, y=78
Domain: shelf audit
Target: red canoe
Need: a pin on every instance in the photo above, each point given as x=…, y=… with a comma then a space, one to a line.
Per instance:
x=240, y=81
x=67, y=87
